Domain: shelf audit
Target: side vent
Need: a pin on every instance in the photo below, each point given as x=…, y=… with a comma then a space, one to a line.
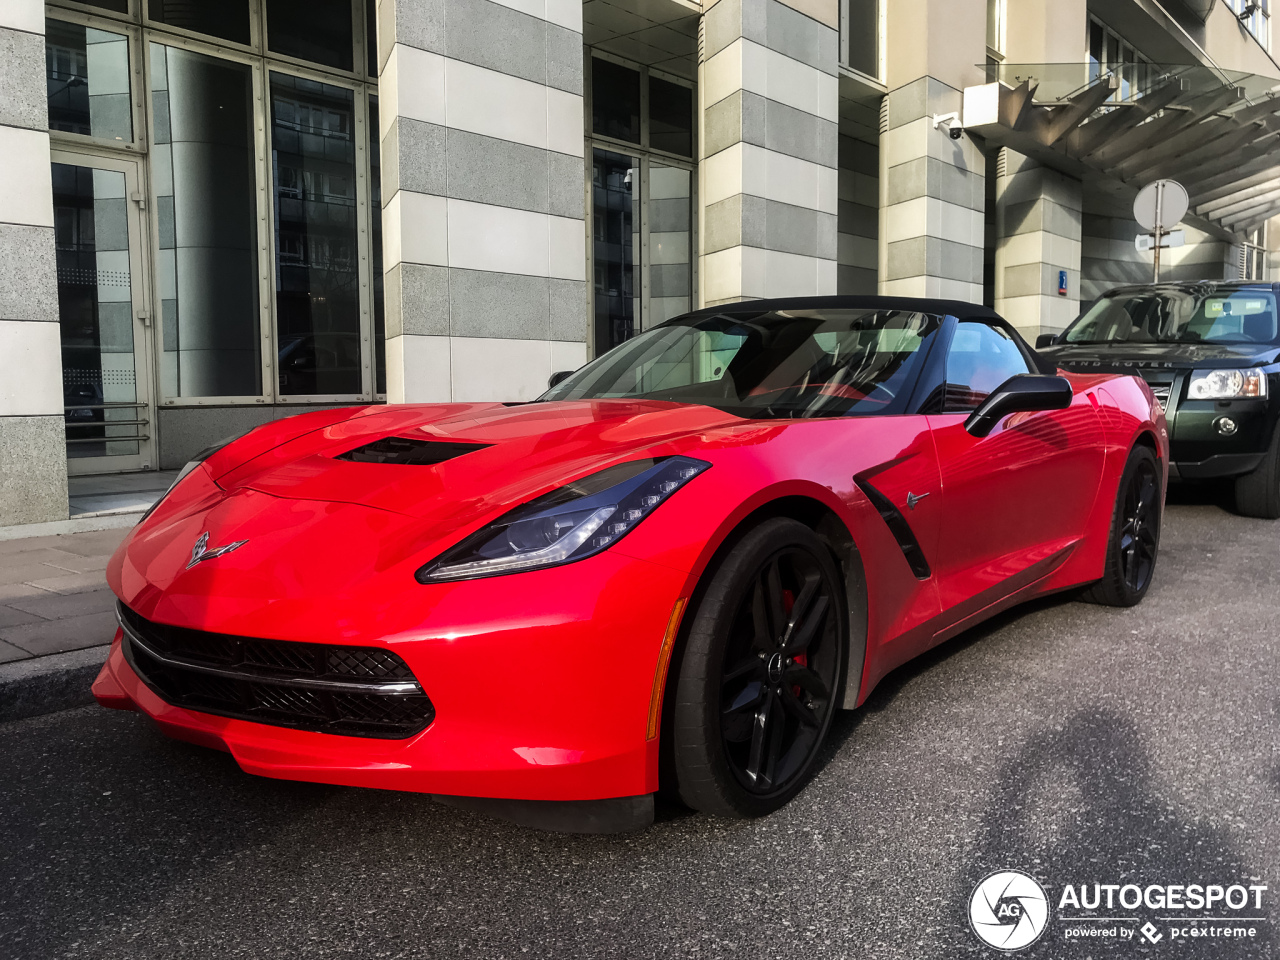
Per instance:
x=900, y=529
x=418, y=453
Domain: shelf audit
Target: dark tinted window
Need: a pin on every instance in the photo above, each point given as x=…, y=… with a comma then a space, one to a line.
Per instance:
x=802, y=363
x=979, y=360
x=228, y=19
x=316, y=30
x=1198, y=315
x=371, y=35
x=615, y=100
x=670, y=117
x=375, y=250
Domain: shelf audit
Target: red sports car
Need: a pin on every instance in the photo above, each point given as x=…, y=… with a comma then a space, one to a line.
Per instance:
x=669, y=571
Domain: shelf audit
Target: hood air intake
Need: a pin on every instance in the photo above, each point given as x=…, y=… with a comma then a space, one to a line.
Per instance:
x=418, y=453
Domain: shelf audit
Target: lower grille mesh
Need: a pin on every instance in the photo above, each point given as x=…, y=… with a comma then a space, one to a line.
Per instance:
x=352, y=691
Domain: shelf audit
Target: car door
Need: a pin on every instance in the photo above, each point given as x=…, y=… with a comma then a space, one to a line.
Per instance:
x=1015, y=499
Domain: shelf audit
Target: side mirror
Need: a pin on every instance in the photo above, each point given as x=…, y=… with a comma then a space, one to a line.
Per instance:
x=1023, y=392
x=558, y=377
x=1046, y=340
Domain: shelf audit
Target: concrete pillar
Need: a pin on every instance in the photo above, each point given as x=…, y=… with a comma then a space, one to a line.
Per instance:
x=33, y=453
x=932, y=191
x=1038, y=211
x=1038, y=226
x=484, y=245
x=769, y=98
x=859, y=219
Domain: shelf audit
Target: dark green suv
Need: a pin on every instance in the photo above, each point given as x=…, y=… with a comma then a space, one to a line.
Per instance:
x=1210, y=353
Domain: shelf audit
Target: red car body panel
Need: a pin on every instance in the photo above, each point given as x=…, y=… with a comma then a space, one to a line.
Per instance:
x=542, y=680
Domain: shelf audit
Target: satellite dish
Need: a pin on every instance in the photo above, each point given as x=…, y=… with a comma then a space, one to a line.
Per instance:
x=1161, y=205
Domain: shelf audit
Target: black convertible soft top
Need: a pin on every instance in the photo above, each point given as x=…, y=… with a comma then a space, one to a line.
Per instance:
x=940, y=308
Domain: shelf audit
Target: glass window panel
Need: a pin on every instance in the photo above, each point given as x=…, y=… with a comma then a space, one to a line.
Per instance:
x=228, y=19
x=375, y=252
x=670, y=117
x=979, y=360
x=315, y=30
x=95, y=309
x=317, y=261
x=615, y=100
x=117, y=6
x=87, y=73
x=864, y=36
x=670, y=209
x=202, y=169
x=371, y=35
x=615, y=247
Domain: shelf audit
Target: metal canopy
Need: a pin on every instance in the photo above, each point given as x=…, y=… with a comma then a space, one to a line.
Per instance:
x=1216, y=132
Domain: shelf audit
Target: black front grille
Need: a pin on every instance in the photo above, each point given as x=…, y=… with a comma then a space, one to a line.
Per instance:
x=327, y=688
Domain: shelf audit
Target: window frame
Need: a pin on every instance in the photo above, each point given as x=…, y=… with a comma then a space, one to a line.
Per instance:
x=138, y=145
x=645, y=154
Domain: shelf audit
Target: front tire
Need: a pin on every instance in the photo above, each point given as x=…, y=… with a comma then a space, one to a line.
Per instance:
x=1258, y=493
x=762, y=673
x=1134, y=542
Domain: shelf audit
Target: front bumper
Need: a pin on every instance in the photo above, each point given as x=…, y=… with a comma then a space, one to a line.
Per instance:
x=542, y=691
x=1197, y=449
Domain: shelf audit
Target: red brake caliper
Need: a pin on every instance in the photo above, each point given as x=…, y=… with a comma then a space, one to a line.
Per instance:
x=788, y=603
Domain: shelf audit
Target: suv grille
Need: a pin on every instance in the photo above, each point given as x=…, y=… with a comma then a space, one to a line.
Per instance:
x=1161, y=390
x=353, y=691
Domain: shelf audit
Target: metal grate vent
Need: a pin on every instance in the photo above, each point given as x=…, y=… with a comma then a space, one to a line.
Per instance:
x=421, y=453
x=352, y=691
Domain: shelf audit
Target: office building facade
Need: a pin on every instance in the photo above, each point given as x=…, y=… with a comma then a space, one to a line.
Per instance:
x=215, y=214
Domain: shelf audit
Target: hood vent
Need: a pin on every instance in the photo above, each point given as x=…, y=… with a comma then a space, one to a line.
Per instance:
x=418, y=453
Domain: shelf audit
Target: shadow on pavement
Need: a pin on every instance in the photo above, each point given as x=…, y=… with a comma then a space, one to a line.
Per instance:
x=1078, y=805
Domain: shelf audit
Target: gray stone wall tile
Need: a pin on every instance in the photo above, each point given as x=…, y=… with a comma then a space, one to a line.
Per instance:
x=1033, y=215
x=416, y=299
x=795, y=133
x=858, y=219
x=722, y=223
x=922, y=98
x=855, y=281
x=29, y=280
x=859, y=156
x=565, y=59
x=773, y=25
x=417, y=23
x=23, y=102
x=566, y=185
x=827, y=237
x=934, y=257
x=33, y=470
x=413, y=158
x=497, y=37
x=500, y=172
x=506, y=305
x=569, y=310
x=724, y=121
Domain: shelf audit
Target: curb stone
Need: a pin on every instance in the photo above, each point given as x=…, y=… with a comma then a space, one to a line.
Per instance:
x=32, y=688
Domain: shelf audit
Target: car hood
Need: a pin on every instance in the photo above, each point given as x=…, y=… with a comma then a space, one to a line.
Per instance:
x=503, y=456
x=324, y=532
x=1128, y=357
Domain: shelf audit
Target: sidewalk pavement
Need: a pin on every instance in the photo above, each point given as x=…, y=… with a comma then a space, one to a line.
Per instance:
x=56, y=619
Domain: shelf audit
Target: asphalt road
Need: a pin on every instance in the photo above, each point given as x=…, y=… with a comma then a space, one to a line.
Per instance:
x=1080, y=744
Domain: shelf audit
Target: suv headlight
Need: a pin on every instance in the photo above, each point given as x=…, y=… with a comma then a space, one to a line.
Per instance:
x=1227, y=384
x=567, y=524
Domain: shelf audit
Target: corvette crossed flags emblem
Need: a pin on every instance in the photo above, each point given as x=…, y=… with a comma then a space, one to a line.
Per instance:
x=202, y=552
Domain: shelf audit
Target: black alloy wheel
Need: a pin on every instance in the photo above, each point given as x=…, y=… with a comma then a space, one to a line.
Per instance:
x=762, y=673
x=1135, y=534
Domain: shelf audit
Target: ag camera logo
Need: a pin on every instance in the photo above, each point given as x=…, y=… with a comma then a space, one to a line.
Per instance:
x=1008, y=910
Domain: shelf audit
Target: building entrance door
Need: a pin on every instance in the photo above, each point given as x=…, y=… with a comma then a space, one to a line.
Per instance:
x=103, y=312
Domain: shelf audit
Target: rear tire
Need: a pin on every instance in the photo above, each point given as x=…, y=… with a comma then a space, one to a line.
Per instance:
x=1258, y=493
x=1134, y=541
x=762, y=673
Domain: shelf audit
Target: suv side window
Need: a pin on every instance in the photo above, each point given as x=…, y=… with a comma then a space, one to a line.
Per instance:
x=980, y=358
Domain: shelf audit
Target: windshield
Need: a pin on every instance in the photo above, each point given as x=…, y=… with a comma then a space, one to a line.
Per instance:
x=1179, y=316
x=802, y=363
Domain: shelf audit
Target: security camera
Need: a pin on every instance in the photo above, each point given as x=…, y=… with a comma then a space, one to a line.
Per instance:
x=955, y=129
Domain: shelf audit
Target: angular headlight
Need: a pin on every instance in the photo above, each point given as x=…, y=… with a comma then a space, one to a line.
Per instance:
x=190, y=465
x=1227, y=384
x=567, y=524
